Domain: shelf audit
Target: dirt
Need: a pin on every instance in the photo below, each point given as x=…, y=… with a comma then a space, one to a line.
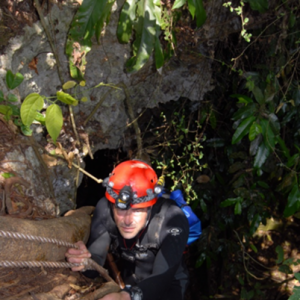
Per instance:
x=20, y=283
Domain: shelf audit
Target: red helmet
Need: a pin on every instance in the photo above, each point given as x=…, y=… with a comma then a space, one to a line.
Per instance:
x=132, y=184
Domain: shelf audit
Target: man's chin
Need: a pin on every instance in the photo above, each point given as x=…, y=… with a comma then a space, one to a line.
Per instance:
x=128, y=234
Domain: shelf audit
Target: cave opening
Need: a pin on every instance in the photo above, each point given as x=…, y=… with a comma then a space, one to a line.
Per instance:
x=90, y=192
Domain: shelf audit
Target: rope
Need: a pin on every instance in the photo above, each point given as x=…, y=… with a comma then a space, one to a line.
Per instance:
x=88, y=263
x=35, y=264
x=22, y=236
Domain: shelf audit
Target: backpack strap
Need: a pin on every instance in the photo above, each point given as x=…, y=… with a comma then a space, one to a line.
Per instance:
x=155, y=225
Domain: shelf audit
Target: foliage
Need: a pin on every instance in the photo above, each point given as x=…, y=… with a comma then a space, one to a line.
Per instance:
x=250, y=144
x=36, y=108
x=181, y=152
x=140, y=21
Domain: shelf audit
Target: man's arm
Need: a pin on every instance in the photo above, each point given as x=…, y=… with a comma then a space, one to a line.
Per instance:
x=98, y=243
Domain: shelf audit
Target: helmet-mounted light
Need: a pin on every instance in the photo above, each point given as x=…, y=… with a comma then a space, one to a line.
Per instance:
x=125, y=198
x=159, y=185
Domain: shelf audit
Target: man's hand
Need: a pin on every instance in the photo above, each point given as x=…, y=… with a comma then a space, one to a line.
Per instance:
x=116, y=296
x=78, y=255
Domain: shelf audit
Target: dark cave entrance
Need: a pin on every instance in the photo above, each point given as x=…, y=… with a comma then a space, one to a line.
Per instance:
x=90, y=192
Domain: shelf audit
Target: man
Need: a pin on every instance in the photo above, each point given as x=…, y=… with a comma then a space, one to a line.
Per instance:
x=148, y=234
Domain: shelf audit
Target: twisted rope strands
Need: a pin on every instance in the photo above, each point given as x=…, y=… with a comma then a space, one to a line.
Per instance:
x=34, y=264
x=88, y=263
x=17, y=235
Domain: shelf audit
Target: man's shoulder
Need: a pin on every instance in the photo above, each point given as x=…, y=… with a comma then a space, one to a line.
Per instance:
x=168, y=209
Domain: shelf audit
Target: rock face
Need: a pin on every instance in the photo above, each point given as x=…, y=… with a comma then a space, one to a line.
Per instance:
x=70, y=229
x=186, y=75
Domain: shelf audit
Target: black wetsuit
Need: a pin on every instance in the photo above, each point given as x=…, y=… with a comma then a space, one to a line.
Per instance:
x=153, y=262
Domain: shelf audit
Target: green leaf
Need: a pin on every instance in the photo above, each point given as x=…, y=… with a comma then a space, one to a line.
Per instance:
x=145, y=31
x=54, y=121
x=40, y=118
x=30, y=106
x=293, y=201
x=238, y=208
x=253, y=247
x=274, y=123
x=297, y=275
x=285, y=269
x=66, y=98
x=260, y=5
x=244, y=112
x=258, y=94
x=1, y=96
x=255, y=223
x=263, y=184
x=197, y=10
x=15, y=109
x=284, y=149
x=261, y=156
x=12, y=98
x=178, y=4
x=242, y=98
x=296, y=293
x=26, y=130
x=280, y=254
x=69, y=84
x=230, y=201
x=268, y=134
x=254, y=131
x=126, y=19
x=13, y=80
x=6, y=111
x=88, y=21
x=7, y=175
x=242, y=129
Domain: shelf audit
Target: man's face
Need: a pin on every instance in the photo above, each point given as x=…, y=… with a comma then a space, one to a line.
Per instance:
x=131, y=221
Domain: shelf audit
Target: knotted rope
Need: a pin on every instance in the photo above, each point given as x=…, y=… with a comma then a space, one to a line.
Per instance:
x=88, y=263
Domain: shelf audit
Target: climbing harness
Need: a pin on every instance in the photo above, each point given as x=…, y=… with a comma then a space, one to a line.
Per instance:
x=88, y=263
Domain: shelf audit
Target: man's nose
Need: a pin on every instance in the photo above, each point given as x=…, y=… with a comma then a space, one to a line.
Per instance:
x=128, y=218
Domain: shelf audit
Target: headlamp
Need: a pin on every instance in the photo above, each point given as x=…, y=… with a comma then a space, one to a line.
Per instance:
x=125, y=198
x=159, y=185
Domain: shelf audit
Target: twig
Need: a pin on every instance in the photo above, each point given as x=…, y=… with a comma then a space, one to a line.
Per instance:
x=135, y=124
x=40, y=13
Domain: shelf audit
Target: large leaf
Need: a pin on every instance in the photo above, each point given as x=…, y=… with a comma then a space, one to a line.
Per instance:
x=268, y=134
x=145, y=31
x=242, y=129
x=13, y=80
x=54, y=121
x=30, y=106
x=88, y=21
x=258, y=94
x=197, y=10
x=254, y=131
x=293, y=201
x=244, y=112
x=261, y=156
x=126, y=19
